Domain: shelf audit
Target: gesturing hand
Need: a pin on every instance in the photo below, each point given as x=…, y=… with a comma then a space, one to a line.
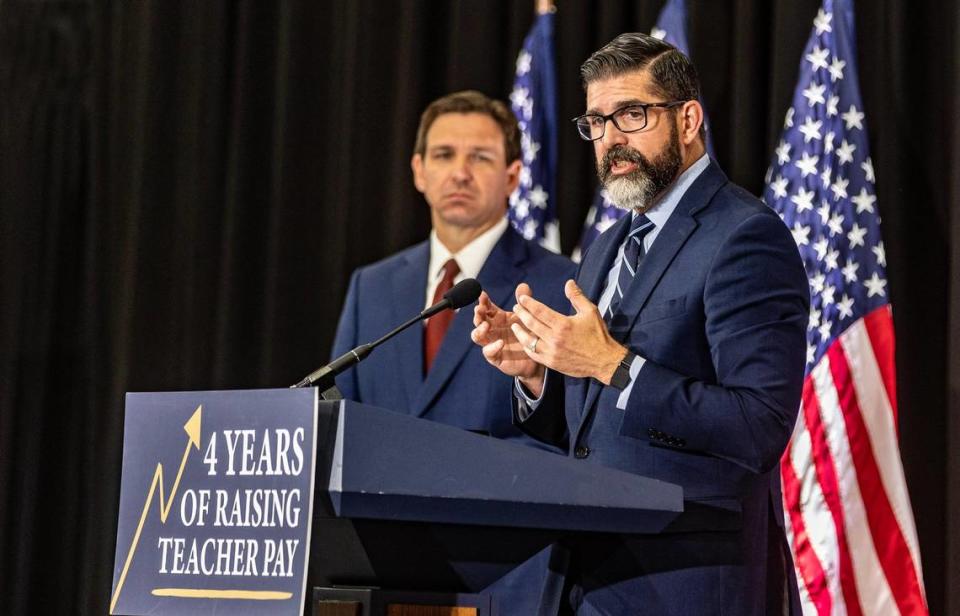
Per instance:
x=577, y=345
x=492, y=331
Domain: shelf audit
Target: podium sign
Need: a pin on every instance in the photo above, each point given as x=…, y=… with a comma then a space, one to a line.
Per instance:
x=215, y=502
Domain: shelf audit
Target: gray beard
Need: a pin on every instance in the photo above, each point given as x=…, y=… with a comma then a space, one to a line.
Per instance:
x=633, y=192
x=638, y=189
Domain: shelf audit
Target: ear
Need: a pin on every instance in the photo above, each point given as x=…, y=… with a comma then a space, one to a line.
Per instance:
x=416, y=165
x=691, y=118
x=513, y=176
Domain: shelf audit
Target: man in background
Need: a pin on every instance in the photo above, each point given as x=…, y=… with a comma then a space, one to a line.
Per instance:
x=466, y=162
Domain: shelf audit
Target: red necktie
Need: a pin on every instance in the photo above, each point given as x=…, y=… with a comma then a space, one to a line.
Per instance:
x=438, y=324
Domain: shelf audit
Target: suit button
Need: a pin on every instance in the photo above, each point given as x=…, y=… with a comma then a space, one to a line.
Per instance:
x=581, y=452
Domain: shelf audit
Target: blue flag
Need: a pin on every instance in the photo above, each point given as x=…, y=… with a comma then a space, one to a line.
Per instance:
x=533, y=206
x=672, y=28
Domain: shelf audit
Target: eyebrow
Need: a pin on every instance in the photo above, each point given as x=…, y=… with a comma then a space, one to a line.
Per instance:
x=442, y=147
x=618, y=105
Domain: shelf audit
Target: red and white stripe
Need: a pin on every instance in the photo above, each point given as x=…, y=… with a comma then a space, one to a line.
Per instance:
x=847, y=509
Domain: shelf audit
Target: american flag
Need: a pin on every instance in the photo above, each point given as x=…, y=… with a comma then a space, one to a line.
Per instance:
x=671, y=27
x=846, y=507
x=533, y=209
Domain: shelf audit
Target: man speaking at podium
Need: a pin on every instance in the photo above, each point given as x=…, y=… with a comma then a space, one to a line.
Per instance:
x=683, y=356
x=466, y=162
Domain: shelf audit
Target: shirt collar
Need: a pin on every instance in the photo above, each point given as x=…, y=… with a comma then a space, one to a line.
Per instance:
x=471, y=257
x=659, y=214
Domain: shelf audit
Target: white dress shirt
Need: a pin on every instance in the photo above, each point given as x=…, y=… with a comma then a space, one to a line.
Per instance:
x=470, y=258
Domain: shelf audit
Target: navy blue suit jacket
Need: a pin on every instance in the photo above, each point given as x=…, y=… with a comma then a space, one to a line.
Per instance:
x=719, y=310
x=462, y=389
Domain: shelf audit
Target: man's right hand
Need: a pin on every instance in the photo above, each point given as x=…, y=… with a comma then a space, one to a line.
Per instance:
x=492, y=332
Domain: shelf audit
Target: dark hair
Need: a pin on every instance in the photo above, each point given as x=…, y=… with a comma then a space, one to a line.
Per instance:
x=471, y=101
x=672, y=74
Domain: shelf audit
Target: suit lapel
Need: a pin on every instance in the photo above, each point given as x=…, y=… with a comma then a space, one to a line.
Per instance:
x=651, y=269
x=672, y=237
x=409, y=291
x=654, y=264
x=593, y=274
x=665, y=248
x=498, y=277
x=599, y=258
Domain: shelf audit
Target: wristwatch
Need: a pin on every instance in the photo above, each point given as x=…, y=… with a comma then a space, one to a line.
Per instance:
x=621, y=376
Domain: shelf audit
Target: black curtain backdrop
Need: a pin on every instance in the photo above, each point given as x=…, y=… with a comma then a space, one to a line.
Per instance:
x=185, y=188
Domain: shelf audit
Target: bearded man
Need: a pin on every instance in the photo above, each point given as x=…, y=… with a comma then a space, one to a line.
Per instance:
x=682, y=357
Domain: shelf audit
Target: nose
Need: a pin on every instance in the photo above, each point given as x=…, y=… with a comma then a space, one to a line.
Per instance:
x=612, y=135
x=462, y=173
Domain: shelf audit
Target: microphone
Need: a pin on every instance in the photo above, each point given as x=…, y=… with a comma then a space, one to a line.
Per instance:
x=464, y=292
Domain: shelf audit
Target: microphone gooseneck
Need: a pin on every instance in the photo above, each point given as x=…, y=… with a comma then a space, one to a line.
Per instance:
x=461, y=294
x=464, y=292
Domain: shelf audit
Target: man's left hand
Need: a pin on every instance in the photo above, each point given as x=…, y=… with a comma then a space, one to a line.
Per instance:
x=577, y=345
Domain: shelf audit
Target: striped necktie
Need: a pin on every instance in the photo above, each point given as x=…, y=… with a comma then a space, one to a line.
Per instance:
x=632, y=254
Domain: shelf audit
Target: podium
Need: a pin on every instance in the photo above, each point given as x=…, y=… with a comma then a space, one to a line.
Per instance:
x=223, y=491
x=403, y=503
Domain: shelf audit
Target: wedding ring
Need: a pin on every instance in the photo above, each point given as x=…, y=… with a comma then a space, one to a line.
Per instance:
x=533, y=345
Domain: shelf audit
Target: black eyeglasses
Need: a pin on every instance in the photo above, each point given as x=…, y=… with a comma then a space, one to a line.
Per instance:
x=627, y=119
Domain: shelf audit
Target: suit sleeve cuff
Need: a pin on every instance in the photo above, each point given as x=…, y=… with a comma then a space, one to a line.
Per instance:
x=528, y=403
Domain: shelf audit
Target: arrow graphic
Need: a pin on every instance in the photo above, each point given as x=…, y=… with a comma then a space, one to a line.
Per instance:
x=192, y=428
